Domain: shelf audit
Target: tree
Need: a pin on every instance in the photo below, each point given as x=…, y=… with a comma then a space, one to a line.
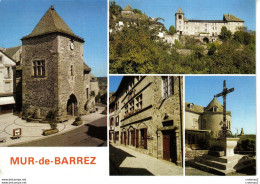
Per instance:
x=172, y=30
x=225, y=33
x=212, y=49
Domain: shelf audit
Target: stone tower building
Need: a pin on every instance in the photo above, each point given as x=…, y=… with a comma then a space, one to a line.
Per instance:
x=55, y=77
x=200, y=122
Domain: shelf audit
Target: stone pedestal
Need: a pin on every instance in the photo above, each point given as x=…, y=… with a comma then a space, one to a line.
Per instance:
x=228, y=145
x=223, y=163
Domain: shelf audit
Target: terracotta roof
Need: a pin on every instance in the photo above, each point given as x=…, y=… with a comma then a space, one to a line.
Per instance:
x=196, y=108
x=179, y=10
x=128, y=8
x=51, y=22
x=11, y=51
x=231, y=18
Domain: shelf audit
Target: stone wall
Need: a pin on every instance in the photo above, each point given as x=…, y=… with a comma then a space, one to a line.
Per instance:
x=190, y=154
x=154, y=112
x=68, y=83
x=40, y=92
x=64, y=74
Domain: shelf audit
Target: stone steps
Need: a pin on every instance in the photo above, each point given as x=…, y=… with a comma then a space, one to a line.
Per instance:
x=222, y=165
x=210, y=169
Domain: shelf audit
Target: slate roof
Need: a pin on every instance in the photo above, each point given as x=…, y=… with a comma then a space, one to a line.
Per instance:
x=179, y=10
x=214, y=103
x=196, y=108
x=86, y=67
x=51, y=22
x=199, y=109
x=128, y=8
x=231, y=18
x=11, y=51
x=206, y=21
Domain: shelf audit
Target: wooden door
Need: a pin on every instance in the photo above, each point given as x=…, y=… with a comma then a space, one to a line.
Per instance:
x=133, y=138
x=145, y=138
x=125, y=138
x=137, y=137
x=166, y=146
x=169, y=146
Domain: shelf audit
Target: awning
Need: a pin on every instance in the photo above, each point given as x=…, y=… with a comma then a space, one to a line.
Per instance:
x=7, y=100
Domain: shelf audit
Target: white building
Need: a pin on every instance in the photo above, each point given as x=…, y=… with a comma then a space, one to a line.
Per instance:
x=206, y=28
x=7, y=83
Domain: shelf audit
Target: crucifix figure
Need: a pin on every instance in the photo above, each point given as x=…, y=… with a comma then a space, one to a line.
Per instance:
x=224, y=132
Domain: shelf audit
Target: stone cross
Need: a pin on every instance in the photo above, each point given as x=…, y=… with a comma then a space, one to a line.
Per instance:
x=224, y=93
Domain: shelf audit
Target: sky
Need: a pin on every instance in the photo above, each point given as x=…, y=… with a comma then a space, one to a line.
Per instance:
x=200, y=90
x=114, y=82
x=195, y=9
x=86, y=18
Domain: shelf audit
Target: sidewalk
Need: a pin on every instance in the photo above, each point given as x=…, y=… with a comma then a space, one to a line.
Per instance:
x=33, y=131
x=125, y=161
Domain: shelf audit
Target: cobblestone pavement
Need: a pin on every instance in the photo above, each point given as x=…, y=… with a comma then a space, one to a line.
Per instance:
x=33, y=131
x=125, y=161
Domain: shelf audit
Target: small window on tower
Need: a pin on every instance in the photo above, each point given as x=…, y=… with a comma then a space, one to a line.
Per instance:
x=214, y=109
x=39, y=68
x=71, y=70
x=180, y=17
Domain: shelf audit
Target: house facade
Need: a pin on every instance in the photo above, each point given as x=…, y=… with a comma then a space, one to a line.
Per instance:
x=7, y=83
x=206, y=28
x=54, y=75
x=148, y=116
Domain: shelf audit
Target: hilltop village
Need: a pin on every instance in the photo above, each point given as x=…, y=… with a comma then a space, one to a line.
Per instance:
x=191, y=46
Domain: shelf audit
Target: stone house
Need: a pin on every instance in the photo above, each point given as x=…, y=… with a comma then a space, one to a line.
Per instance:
x=208, y=30
x=54, y=75
x=7, y=83
x=16, y=54
x=147, y=116
x=201, y=122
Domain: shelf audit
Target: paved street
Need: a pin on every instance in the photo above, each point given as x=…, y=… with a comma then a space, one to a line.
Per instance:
x=33, y=131
x=125, y=161
x=92, y=134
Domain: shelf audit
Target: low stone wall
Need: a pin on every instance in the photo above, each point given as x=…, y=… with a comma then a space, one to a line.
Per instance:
x=190, y=154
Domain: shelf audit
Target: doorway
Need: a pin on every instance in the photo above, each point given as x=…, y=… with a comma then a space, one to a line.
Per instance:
x=169, y=146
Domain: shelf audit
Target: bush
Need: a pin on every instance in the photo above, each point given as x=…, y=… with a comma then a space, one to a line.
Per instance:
x=77, y=123
x=53, y=125
x=51, y=115
x=78, y=118
x=50, y=131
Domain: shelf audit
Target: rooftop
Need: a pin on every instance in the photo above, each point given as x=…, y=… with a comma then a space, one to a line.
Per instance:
x=51, y=22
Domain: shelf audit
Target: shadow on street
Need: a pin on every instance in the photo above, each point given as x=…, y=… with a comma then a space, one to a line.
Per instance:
x=116, y=157
x=97, y=132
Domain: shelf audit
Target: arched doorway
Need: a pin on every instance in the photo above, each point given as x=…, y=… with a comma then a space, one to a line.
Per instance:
x=72, y=108
x=206, y=40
